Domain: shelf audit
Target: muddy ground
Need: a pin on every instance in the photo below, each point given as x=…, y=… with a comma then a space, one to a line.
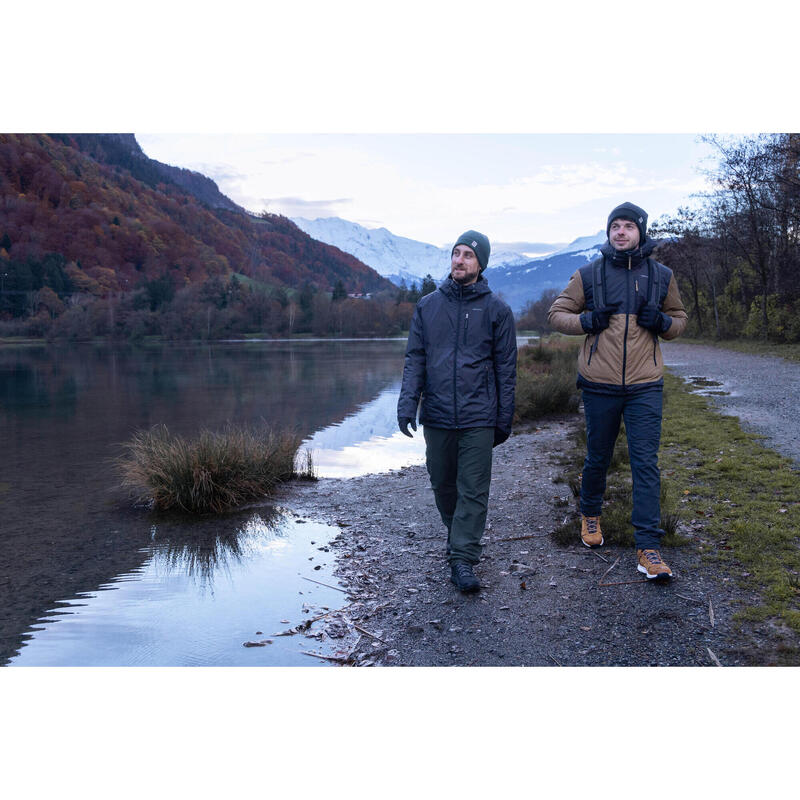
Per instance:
x=541, y=604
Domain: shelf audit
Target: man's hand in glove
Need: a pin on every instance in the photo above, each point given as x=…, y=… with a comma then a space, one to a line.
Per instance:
x=499, y=437
x=652, y=319
x=404, y=422
x=597, y=320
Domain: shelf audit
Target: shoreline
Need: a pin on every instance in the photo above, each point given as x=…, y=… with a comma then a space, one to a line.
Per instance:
x=541, y=604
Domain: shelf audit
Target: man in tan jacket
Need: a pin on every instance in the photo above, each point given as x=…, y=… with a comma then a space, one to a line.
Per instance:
x=623, y=302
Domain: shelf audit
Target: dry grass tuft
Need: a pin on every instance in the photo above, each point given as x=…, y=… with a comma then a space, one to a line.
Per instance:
x=211, y=473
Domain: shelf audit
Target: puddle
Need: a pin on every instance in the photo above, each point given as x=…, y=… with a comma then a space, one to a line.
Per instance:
x=703, y=386
x=198, y=597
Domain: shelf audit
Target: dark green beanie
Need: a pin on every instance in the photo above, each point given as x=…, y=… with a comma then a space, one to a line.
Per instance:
x=478, y=243
x=633, y=213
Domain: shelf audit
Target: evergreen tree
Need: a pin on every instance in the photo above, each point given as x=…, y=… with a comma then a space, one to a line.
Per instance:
x=428, y=285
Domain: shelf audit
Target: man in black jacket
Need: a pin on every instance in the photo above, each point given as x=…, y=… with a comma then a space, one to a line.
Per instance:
x=461, y=359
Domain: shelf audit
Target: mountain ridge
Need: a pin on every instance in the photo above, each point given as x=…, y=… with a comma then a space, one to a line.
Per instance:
x=121, y=219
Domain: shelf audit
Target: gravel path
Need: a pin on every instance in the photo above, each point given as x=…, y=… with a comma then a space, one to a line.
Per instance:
x=541, y=603
x=763, y=389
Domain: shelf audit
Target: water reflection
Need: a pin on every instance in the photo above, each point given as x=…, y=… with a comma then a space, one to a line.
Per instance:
x=198, y=596
x=203, y=548
x=366, y=441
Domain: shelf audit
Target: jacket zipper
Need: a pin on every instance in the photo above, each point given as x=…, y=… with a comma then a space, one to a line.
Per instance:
x=466, y=325
x=455, y=358
x=627, y=315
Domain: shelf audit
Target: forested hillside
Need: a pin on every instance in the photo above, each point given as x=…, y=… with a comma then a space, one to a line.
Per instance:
x=89, y=219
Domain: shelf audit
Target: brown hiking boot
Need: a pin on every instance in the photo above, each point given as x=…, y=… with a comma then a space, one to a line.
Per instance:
x=591, y=535
x=651, y=564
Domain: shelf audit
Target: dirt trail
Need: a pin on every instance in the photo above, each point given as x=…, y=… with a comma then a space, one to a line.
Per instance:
x=542, y=604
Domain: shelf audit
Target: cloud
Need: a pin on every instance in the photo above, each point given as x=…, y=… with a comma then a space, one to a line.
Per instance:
x=290, y=159
x=299, y=207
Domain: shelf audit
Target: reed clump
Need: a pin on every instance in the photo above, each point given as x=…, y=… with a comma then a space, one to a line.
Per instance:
x=213, y=472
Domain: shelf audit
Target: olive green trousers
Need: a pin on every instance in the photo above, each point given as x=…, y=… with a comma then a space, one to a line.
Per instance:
x=459, y=463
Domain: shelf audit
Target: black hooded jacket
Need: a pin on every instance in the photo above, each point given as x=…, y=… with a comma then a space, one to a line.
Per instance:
x=461, y=359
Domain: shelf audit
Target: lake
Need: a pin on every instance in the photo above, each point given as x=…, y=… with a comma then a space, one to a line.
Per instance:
x=87, y=579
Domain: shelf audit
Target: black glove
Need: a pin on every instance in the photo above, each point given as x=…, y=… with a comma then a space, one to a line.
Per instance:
x=499, y=436
x=404, y=422
x=597, y=320
x=652, y=319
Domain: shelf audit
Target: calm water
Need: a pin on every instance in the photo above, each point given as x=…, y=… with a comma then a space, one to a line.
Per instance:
x=86, y=579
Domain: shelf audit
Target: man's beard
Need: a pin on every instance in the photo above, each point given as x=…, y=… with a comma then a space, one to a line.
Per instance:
x=465, y=280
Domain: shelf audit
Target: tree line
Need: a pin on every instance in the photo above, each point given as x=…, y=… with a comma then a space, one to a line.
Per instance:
x=56, y=299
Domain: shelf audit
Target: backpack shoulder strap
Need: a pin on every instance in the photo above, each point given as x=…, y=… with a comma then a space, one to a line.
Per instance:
x=653, y=283
x=598, y=283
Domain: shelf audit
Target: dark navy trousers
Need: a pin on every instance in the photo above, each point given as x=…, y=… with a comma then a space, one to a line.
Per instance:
x=641, y=411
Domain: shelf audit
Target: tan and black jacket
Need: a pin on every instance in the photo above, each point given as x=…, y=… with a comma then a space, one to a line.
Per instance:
x=625, y=356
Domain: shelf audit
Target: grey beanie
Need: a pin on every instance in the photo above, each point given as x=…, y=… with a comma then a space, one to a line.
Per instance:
x=633, y=213
x=478, y=243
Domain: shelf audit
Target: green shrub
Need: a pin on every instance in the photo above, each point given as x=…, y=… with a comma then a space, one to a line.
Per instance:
x=210, y=473
x=546, y=379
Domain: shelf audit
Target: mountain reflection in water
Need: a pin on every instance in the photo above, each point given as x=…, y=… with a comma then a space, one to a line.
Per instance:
x=366, y=441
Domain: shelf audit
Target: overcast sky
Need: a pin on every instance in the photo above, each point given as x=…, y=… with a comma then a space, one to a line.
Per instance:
x=513, y=187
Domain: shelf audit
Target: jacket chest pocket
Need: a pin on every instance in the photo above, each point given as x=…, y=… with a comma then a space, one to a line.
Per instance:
x=473, y=327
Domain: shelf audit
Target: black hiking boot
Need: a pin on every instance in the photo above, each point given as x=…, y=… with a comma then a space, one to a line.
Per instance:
x=464, y=578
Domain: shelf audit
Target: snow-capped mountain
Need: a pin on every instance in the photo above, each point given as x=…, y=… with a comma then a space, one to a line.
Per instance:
x=394, y=257
x=401, y=259
x=522, y=283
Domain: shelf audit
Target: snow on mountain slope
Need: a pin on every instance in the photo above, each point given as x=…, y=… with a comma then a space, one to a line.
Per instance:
x=387, y=254
x=399, y=258
x=582, y=243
